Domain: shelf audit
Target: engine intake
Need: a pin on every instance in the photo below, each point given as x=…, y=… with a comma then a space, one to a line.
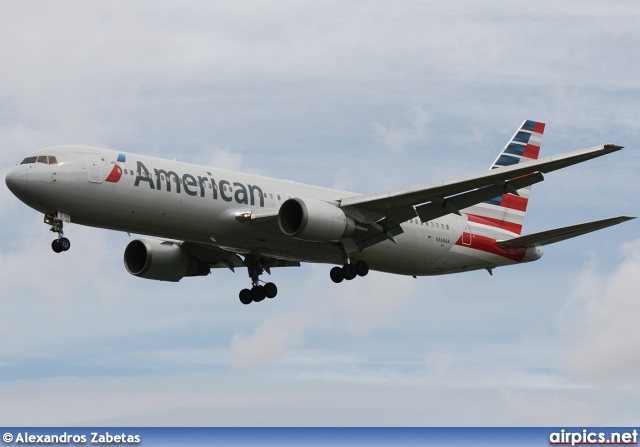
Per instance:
x=314, y=220
x=162, y=261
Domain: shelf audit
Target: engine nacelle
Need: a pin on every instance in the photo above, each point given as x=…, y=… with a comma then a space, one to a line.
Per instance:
x=161, y=260
x=314, y=220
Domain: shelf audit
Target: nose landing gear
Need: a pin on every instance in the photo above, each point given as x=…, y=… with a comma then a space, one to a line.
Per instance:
x=62, y=243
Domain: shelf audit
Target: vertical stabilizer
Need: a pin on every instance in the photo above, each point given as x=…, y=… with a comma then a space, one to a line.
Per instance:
x=507, y=211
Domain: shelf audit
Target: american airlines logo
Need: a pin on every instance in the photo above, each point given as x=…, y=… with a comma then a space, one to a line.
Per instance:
x=192, y=185
x=116, y=172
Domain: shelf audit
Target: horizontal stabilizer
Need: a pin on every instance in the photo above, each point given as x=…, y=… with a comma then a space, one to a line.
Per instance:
x=560, y=234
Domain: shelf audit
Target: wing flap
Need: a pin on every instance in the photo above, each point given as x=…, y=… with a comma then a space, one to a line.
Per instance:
x=218, y=257
x=561, y=234
x=439, y=208
x=214, y=256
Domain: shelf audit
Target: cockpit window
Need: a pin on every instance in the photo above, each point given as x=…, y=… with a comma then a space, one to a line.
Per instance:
x=46, y=159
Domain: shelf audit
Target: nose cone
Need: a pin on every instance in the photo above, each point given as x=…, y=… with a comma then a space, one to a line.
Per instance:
x=17, y=180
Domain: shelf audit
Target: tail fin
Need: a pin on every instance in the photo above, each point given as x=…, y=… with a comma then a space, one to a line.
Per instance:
x=508, y=211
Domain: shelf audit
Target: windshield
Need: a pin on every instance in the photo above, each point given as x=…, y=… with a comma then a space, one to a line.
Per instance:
x=46, y=159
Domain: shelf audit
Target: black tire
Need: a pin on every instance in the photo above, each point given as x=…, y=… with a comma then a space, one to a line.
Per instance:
x=55, y=246
x=336, y=275
x=270, y=290
x=245, y=296
x=349, y=271
x=65, y=244
x=362, y=268
x=257, y=293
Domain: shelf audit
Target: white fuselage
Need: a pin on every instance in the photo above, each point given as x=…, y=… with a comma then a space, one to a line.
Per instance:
x=187, y=202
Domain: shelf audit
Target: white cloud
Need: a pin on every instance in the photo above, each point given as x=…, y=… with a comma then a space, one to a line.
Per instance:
x=268, y=342
x=398, y=138
x=603, y=314
x=222, y=158
x=371, y=303
x=357, y=308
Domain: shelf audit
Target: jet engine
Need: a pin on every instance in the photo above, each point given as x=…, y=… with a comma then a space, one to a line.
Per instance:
x=314, y=220
x=161, y=260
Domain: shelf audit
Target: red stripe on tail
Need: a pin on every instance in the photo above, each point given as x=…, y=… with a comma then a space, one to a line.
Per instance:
x=509, y=226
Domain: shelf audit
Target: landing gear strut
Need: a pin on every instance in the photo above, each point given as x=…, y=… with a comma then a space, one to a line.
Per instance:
x=258, y=292
x=61, y=243
x=349, y=271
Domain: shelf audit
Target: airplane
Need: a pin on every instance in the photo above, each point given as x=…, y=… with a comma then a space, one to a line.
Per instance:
x=212, y=218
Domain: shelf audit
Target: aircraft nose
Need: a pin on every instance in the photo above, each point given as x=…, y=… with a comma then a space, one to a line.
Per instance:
x=17, y=180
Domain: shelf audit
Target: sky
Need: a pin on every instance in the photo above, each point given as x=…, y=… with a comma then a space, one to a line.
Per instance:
x=358, y=96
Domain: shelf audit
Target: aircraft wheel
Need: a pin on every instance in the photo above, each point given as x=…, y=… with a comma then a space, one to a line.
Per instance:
x=362, y=268
x=245, y=296
x=56, y=246
x=336, y=275
x=270, y=290
x=349, y=271
x=64, y=243
x=257, y=293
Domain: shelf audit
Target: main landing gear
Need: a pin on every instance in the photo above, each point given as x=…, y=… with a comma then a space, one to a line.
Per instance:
x=61, y=243
x=258, y=292
x=349, y=271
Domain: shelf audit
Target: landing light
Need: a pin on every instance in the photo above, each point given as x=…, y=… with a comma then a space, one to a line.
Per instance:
x=243, y=216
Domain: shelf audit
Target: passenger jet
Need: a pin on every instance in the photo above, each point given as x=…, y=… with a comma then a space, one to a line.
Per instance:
x=212, y=218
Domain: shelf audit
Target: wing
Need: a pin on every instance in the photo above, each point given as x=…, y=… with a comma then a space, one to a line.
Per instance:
x=218, y=257
x=383, y=212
